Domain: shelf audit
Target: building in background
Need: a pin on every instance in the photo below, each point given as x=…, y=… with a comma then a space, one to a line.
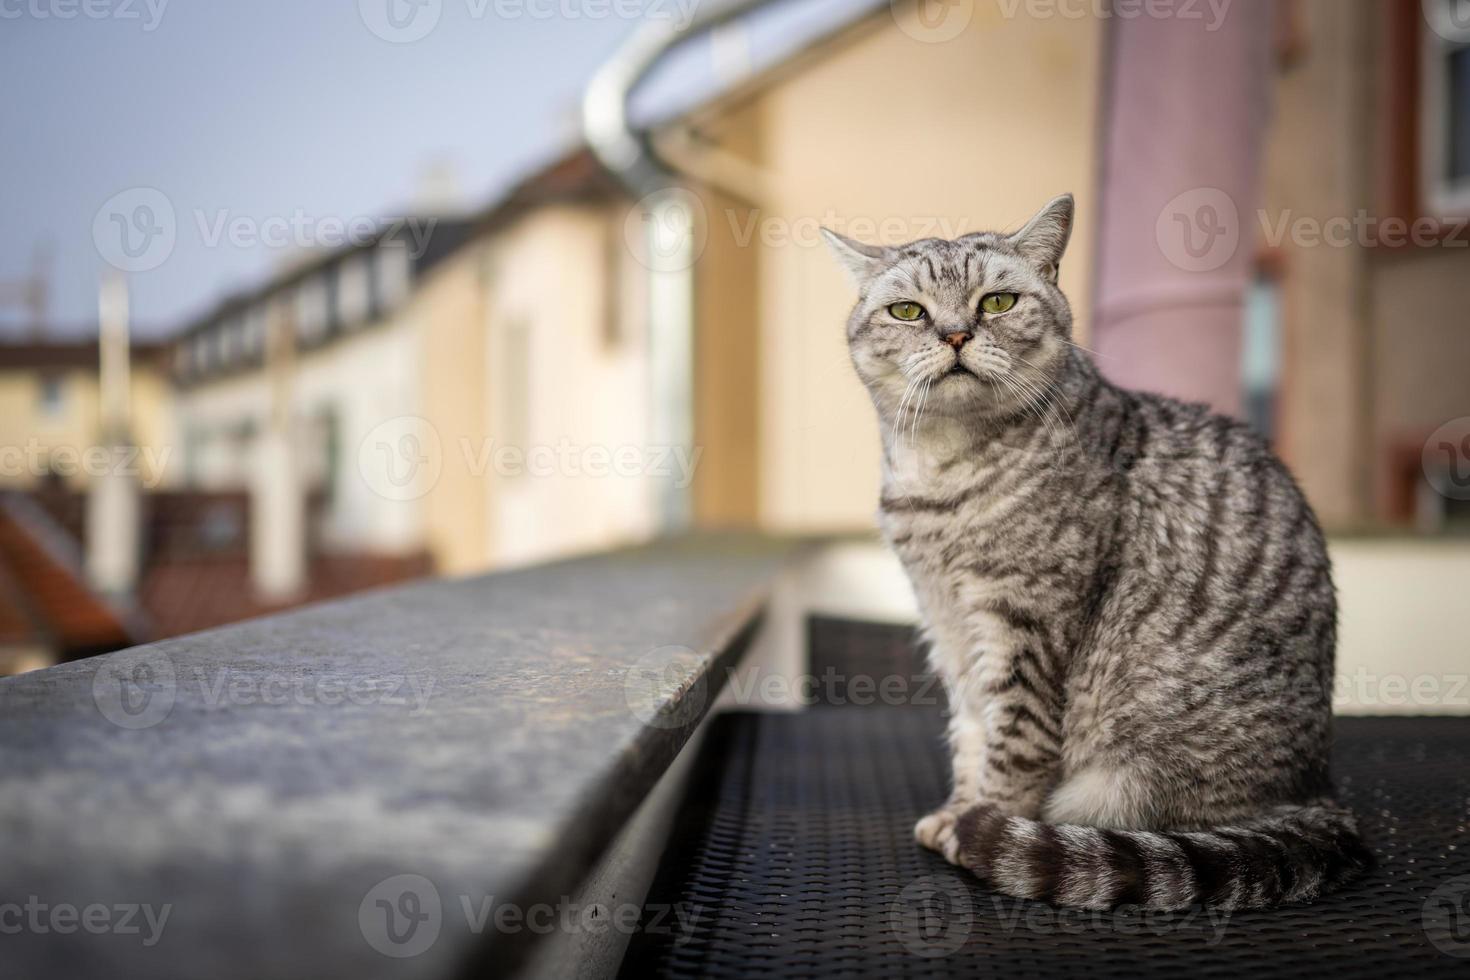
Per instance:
x=471, y=392
x=50, y=410
x=469, y=403
x=1365, y=218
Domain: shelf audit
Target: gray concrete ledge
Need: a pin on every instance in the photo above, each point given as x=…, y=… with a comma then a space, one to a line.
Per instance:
x=357, y=788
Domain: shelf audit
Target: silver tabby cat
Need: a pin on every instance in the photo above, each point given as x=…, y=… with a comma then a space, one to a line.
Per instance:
x=1127, y=597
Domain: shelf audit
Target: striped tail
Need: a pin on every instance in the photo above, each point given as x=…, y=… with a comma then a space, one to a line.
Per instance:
x=1288, y=854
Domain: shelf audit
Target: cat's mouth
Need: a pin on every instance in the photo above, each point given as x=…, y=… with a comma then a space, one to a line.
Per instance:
x=961, y=369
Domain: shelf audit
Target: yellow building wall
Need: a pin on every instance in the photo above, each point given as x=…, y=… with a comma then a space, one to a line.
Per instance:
x=727, y=369
x=30, y=435
x=566, y=391
x=452, y=307
x=1007, y=122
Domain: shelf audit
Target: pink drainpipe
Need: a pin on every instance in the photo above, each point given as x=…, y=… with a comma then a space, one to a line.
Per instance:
x=1184, y=113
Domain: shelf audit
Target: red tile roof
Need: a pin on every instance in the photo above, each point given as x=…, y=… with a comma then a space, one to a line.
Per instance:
x=45, y=601
x=182, y=595
x=192, y=578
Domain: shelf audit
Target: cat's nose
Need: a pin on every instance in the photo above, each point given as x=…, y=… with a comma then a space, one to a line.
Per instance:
x=957, y=339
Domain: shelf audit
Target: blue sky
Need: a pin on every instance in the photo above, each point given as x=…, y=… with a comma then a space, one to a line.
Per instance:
x=287, y=111
x=261, y=109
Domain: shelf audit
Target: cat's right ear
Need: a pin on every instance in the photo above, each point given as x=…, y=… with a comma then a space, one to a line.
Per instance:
x=862, y=262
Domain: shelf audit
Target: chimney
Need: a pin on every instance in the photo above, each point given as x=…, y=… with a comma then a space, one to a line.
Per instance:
x=439, y=192
x=113, y=505
x=277, y=501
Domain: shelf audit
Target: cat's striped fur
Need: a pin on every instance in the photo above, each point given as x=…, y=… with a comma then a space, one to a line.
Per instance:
x=1127, y=597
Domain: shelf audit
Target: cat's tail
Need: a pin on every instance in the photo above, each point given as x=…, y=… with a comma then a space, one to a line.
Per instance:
x=1287, y=854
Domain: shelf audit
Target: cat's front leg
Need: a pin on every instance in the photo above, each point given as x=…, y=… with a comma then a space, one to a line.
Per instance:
x=1005, y=740
x=967, y=752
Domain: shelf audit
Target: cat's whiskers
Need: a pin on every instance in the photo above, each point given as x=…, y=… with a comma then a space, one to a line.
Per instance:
x=1038, y=402
x=923, y=400
x=1045, y=387
x=1089, y=350
x=908, y=390
x=1025, y=400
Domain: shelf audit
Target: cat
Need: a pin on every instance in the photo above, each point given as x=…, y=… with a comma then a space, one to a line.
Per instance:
x=1127, y=597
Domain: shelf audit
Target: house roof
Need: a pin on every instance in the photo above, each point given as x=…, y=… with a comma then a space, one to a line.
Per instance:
x=771, y=39
x=192, y=578
x=442, y=237
x=57, y=354
x=186, y=594
x=778, y=35
x=44, y=599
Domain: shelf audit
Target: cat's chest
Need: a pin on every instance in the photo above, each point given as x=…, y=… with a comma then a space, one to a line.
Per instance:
x=952, y=523
x=937, y=503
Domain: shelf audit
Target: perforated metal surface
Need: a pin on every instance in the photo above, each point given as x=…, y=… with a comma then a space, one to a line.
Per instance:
x=794, y=857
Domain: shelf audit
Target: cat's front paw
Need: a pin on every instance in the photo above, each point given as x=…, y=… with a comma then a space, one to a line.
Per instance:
x=936, y=832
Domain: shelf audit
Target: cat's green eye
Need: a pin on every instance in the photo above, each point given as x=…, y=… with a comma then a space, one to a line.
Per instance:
x=998, y=302
x=907, y=311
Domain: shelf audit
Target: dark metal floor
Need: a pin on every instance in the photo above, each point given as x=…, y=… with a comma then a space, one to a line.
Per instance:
x=793, y=857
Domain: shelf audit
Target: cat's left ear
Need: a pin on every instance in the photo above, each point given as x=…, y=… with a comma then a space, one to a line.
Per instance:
x=1045, y=236
x=862, y=262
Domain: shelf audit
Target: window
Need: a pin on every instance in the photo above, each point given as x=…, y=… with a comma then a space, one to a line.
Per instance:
x=202, y=354
x=515, y=387
x=52, y=395
x=1260, y=368
x=312, y=310
x=393, y=274
x=253, y=333
x=323, y=456
x=354, y=292
x=229, y=343
x=1445, y=109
